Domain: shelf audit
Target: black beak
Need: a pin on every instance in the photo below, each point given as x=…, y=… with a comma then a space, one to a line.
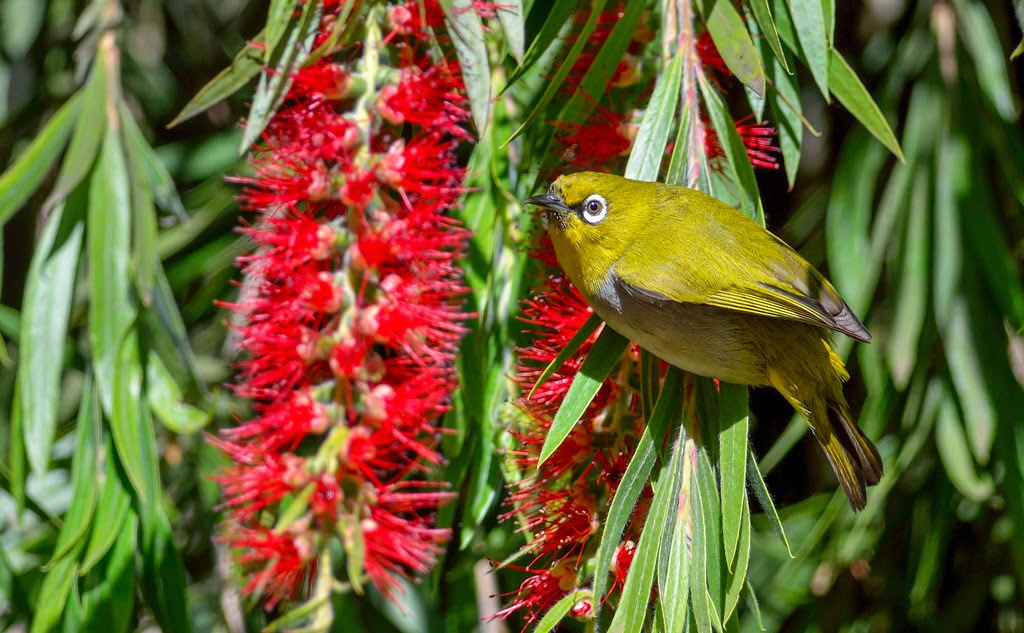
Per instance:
x=550, y=201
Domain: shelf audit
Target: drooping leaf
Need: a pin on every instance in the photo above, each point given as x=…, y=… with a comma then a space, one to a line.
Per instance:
x=22, y=178
x=471, y=47
x=850, y=92
x=247, y=64
x=734, y=44
x=763, y=15
x=809, y=22
x=605, y=353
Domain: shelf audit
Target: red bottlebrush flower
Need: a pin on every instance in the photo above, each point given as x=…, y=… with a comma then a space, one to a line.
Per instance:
x=605, y=138
x=349, y=321
x=758, y=138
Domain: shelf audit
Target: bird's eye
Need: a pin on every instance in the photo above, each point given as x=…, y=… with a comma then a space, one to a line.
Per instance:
x=595, y=208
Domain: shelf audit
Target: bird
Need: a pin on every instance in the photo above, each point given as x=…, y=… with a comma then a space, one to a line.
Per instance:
x=705, y=288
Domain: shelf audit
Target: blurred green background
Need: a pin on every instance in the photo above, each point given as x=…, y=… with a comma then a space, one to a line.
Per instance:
x=929, y=252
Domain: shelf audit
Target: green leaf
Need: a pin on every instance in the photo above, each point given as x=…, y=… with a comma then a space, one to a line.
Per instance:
x=53, y=595
x=712, y=556
x=636, y=591
x=738, y=164
x=704, y=612
x=49, y=295
x=982, y=42
x=273, y=86
x=247, y=64
x=967, y=370
x=165, y=399
x=111, y=310
x=953, y=446
x=738, y=577
x=21, y=179
x=765, y=498
x=467, y=33
x=668, y=410
x=911, y=301
x=674, y=558
x=732, y=464
x=85, y=478
x=91, y=123
x=131, y=425
x=510, y=14
x=559, y=12
x=163, y=574
x=763, y=15
x=112, y=509
x=850, y=92
x=110, y=604
x=560, y=609
x=20, y=24
x=573, y=346
x=605, y=353
x=784, y=102
x=733, y=42
x=144, y=245
x=279, y=16
x=809, y=21
x=649, y=148
x=554, y=85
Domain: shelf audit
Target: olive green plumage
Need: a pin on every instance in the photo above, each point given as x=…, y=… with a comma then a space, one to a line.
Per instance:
x=705, y=288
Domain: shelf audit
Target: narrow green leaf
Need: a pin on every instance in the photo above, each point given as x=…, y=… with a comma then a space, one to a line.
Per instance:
x=53, y=595
x=734, y=44
x=982, y=42
x=954, y=450
x=44, y=328
x=700, y=597
x=573, y=346
x=20, y=24
x=968, y=374
x=131, y=424
x=467, y=33
x=738, y=577
x=165, y=399
x=809, y=21
x=91, y=124
x=559, y=12
x=112, y=508
x=712, y=558
x=273, y=87
x=674, y=559
x=763, y=15
x=650, y=376
x=84, y=475
x=636, y=591
x=668, y=410
x=850, y=92
x=911, y=305
x=605, y=353
x=738, y=164
x=22, y=178
x=279, y=16
x=765, y=498
x=109, y=605
x=649, y=148
x=111, y=310
x=163, y=578
x=144, y=244
x=510, y=14
x=732, y=464
x=244, y=67
x=601, y=69
x=554, y=85
x=784, y=102
x=560, y=609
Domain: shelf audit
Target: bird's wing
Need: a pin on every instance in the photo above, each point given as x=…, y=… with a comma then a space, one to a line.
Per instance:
x=716, y=267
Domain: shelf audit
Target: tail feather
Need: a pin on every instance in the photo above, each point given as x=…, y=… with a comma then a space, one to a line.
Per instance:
x=852, y=456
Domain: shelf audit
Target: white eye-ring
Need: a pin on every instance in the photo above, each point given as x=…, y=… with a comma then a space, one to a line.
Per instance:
x=595, y=208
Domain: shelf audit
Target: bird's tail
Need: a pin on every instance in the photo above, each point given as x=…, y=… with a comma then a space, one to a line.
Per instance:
x=853, y=457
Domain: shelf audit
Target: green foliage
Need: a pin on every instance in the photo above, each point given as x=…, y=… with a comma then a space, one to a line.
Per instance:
x=115, y=344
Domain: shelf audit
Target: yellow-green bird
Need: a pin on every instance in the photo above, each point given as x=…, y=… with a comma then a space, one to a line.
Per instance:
x=705, y=288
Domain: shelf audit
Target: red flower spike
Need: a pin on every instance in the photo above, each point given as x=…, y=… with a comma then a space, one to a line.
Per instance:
x=348, y=319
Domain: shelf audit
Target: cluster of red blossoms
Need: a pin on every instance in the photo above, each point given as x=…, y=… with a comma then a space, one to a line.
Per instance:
x=561, y=506
x=350, y=314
